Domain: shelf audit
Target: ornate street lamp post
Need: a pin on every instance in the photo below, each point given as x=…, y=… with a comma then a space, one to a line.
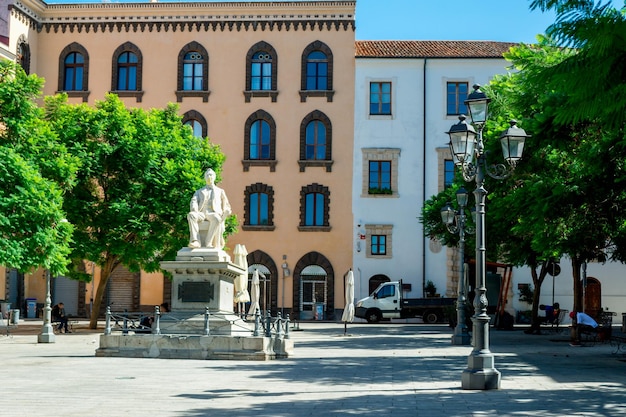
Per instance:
x=455, y=222
x=47, y=333
x=468, y=152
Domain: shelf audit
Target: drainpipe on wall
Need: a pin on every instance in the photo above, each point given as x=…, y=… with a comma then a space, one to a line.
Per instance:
x=424, y=174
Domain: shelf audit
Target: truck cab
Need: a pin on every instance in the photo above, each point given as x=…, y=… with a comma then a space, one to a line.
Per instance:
x=384, y=302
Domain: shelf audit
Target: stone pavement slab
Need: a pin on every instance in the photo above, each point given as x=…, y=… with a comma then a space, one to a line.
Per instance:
x=376, y=370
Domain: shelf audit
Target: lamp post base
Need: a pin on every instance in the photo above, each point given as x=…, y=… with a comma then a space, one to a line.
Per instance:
x=480, y=373
x=461, y=339
x=46, y=335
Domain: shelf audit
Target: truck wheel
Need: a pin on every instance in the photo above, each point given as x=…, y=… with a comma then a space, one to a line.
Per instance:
x=430, y=317
x=373, y=316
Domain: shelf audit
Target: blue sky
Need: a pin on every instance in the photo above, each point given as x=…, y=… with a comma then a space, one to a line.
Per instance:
x=492, y=20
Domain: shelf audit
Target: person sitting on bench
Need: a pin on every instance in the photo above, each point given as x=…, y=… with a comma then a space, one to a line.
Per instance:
x=552, y=313
x=59, y=316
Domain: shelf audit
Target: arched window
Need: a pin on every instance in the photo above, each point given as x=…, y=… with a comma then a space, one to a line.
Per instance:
x=315, y=148
x=316, y=141
x=23, y=54
x=259, y=207
x=260, y=141
x=127, y=71
x=261, y=72
x=74, y=71
x=314, y=204
x=317, y=72
x=193, y=72
x=197, y=122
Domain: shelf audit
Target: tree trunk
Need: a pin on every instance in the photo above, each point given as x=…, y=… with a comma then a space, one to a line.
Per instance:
x=578, y=284
x=537, y=282
x=578, y=296
x=107, y=269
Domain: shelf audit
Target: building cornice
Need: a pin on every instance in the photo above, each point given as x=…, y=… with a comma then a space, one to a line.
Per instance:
x=190, y=16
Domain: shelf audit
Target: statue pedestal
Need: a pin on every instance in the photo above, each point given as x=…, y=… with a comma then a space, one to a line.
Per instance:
x=202, y=278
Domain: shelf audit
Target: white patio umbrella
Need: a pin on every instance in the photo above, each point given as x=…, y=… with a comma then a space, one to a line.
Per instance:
x=241, y=282
x=255, y=293
x=348, y=311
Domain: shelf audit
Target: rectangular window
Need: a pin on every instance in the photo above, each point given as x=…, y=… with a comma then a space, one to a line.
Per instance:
x=380, y=98
x=379, y=244
x=314, y=210
x=456, y=95
x=380, y=177
x=259, y=209
x=448, y=173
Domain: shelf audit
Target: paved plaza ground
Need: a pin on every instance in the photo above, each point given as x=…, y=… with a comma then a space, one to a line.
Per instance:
x=374, y=371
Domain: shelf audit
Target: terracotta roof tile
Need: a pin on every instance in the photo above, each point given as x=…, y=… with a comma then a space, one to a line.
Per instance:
x=431, y=49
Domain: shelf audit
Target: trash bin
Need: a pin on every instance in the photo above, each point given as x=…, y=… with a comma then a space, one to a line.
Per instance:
x=31, y=308
x=623, y=322
x=14, y=317
x=319, y=311
x=4, y=309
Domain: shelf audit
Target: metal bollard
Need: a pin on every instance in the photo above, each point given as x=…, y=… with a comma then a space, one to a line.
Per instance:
x=107, y=326
x=206, y=321
x=125, y=326
x=279, y=329
x=268, y=324
x=257, y=323
x=287, y=327
x=157, y=320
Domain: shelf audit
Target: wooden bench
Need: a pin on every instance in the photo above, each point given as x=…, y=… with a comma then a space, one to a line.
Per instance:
x=555, y=325
x=589, y=336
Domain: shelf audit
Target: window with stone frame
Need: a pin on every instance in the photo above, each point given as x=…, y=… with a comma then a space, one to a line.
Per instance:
x=317, y=72
x=316, y=138
x=74, y=71
x=314, y=208
x=456, y=94
x=259, y=207
x=380, y=172
x=193, y=72
x=379, y=240
x=197, y=122
x=259, y=141
x=127, y=69
x=261, y=72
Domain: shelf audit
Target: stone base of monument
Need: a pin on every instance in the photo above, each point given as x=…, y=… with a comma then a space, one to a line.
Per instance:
x=202, y=281
x=194, y=347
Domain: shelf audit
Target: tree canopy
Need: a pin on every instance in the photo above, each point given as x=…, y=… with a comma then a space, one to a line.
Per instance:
x=35, y=172
x=139, y=169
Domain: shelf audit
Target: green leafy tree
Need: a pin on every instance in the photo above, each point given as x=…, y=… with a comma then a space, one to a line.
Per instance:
x=35, y=171
x=139, y=169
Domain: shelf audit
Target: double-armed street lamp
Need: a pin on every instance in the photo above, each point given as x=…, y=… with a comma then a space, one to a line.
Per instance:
x=455, y=222
x=468, y=152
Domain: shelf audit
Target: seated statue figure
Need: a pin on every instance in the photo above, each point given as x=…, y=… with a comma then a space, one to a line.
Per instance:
x=208, y=204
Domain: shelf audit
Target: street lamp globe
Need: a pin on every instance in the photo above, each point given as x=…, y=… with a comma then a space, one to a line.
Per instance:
x=512, y=141
x=462, y=196
x=478, y=104
x=462, y=141
x=447, y=214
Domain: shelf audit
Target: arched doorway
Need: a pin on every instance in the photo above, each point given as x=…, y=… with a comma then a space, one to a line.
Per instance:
x=314, y=287
x=376, y=280
x=265, y=286
x=268, y=279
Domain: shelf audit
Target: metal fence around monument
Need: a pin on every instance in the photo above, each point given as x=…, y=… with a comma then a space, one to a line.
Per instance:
x=150, y=323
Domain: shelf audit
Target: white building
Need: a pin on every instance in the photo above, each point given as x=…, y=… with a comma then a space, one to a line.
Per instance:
x=407, y=95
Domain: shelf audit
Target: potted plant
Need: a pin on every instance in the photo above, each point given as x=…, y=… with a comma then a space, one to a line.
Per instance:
x=430, y=289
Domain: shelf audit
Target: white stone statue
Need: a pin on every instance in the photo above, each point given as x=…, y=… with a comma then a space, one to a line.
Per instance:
x=209, y=204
